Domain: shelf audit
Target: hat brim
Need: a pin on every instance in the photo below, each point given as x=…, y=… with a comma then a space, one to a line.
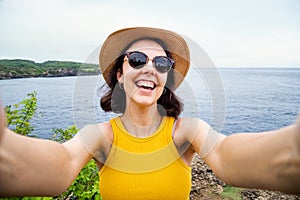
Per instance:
x=116, y=42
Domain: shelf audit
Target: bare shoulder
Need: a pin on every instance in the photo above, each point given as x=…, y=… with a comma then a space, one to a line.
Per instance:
x=100, y=129
x=96, y=137
x=195, y=131
x=191, y=127
x=106, y=130
x=104, y=125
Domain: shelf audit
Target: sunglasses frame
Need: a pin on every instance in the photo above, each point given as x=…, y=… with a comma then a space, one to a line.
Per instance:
x=127, y=57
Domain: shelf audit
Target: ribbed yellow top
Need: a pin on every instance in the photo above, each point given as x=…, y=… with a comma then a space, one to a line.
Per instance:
x=144, y=168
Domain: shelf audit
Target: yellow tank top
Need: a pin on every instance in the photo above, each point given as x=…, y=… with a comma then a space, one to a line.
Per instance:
x=144, y=168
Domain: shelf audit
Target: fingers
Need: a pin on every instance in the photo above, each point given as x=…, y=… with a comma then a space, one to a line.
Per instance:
x=297, y=132
x=298, y=122
x=3, y=123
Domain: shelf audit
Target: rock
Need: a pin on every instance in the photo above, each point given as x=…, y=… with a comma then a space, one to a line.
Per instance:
x=266, y=194
x=205, y=184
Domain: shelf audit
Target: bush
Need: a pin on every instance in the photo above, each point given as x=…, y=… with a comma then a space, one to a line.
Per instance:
x=19, y=115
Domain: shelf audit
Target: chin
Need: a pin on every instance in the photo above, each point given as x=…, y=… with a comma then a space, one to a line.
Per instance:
x=144, y=100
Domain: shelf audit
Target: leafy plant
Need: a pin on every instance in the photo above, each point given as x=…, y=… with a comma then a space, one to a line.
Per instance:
x=19, y=115
x=232, y=193
x=85, y=186
x=61, y=135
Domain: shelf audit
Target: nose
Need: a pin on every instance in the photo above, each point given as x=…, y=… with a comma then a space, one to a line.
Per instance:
x=149, y=67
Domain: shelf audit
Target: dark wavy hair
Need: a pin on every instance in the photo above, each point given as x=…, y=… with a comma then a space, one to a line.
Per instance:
x=115, y=99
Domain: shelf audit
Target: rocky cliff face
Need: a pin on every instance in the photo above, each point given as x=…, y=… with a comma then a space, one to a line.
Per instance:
x=46, y=73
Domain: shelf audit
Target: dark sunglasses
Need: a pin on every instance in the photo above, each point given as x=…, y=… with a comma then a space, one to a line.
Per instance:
x=137, y=60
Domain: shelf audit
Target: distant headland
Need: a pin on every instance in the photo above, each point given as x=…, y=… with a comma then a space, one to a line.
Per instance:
x=19, y=68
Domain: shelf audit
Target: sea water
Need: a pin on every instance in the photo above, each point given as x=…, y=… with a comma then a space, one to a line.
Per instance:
x=231, y=100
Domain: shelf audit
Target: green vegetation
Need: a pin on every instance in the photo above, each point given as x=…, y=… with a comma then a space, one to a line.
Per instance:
x=19, y=115
x=86, y=185
x=231, y=193
x=18, y=68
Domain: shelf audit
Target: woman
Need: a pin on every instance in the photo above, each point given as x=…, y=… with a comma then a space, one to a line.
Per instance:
x=146, y=152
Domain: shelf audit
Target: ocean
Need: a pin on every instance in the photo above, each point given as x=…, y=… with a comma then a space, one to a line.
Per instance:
x=232, y=100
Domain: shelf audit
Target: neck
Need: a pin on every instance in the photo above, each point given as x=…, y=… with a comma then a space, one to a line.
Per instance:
x=141, y=122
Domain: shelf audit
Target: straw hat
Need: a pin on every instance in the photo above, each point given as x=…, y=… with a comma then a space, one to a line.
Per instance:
x=116, y=42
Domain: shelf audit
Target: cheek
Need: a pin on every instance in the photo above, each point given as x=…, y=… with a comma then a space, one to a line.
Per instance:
x=128, y=75
x=124, y=74
x=163, y=79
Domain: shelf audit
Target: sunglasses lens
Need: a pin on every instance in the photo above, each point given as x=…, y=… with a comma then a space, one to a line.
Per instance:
x=137, y=60
x=163, y=64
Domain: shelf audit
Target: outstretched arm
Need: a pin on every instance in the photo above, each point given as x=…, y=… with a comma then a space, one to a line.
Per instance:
x=2, y=120
x=36, y=167
x=268, y=160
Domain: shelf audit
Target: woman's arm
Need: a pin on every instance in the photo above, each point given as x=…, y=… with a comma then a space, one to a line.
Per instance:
x=2, y=120
x=268, y=160
x=37, y=167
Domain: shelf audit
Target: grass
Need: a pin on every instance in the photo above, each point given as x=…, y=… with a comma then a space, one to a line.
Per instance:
x=232, y=193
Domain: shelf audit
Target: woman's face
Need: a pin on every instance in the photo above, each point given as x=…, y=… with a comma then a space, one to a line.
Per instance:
x=145, y=85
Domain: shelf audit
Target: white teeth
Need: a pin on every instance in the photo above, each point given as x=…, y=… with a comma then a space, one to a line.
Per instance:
x=147, y=84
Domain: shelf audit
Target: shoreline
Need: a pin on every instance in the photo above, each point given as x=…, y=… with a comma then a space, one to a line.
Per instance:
x=50, y=76
x=18, y=68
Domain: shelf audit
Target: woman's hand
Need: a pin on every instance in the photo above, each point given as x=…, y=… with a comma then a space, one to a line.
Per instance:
x=3, y=123
x=297, y=133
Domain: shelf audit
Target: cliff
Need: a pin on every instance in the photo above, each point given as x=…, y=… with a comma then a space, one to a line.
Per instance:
x=18, y=68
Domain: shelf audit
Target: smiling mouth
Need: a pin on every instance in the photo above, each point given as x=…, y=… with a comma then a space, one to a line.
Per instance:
x=150, y=85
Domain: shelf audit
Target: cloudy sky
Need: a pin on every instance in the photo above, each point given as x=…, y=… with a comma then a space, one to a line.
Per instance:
x=232, y=32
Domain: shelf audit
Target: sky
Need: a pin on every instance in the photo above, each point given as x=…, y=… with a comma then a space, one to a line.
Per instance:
x=234, y=33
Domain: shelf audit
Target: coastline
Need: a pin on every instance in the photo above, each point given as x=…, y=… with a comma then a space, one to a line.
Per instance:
x=47, y=75
x=17, y=68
